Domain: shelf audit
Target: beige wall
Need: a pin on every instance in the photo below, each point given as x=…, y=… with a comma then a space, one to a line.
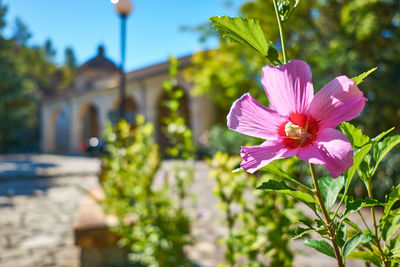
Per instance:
x=146, y=94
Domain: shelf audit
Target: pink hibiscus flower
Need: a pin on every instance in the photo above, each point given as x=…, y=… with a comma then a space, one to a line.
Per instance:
x=298, y=122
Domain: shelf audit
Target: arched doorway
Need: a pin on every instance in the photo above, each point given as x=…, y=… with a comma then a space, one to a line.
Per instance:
x=163, y=112
x=60, y=131
x=130, y=111
x=89, y=124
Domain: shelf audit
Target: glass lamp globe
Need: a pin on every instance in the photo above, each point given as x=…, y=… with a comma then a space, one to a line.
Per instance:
x=123, y=7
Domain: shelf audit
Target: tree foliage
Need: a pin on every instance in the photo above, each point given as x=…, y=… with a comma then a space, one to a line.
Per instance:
x=27, y=73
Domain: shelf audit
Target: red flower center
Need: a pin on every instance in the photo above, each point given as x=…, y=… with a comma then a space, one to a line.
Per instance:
x=301, y=130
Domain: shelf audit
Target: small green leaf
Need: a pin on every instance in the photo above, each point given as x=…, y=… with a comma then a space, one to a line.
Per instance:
x=356, y=205
x=320, y=245
x=260, y=241
x=240, y=169
x=330, y=189
x=271, y=168
x=355, y=135
x=390, y=226
x=395, y=259
x=395, y=246
x=381, y=135
x=300, y=232
x=354, y=242
x=342, y=235
x=366, y=256
x=353, y=225
x=358, y=158
x=394, y=196
x=173, y=66
x=382, y=148
x=294, y=215
x=275, y=170
x=307, y=222
x=281, y=187
x=245, y=31
x=365, y=168
x=360, y=78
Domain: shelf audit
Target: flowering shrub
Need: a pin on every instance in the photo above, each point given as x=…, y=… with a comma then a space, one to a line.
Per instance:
x=303, y=124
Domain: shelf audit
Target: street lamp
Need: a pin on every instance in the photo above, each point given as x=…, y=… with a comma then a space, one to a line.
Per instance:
x=124, y=8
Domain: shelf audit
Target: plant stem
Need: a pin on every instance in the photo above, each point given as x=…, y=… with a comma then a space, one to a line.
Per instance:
x=340, y=204
x=280, y=26
x=377, y=240
x=328, y=220
x=230, y=220
x=363, y=219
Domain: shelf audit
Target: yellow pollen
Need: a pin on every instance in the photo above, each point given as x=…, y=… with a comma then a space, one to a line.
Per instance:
x=293, y=130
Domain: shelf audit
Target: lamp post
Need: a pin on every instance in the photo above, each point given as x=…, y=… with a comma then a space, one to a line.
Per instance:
x=124, y=8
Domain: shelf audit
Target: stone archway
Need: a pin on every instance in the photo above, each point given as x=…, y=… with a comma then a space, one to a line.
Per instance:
x=130, y=110
x=162, y=112
x=89, y=124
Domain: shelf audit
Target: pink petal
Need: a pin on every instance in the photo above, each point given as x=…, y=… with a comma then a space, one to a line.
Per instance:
x=332, y=149
x=288, y=86
x=256, y=157
x=338, y=101
x=247, y=116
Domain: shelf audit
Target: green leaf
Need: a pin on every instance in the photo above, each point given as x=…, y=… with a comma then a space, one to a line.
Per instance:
x=360, y=78
x=354, y=242
x=307, y=222
x=358, y=158
x=259, y=242
x=381, y=135
x=320, y=245
x=275, y=170
x=356, y=205
x=390, y=226
x=395, y=259
x=281, y=187
x=366, y=256
x=294, y=215
x=271, y=168
x=245, y=31
x=330, y=189
x=365, y=169
x=240, y=169
x=173, y=66
x=353, y=225
x=382, y=148
x=300, y=232
x=342, y=235
x=355, y=135
x=395, y=246
x=394, y=196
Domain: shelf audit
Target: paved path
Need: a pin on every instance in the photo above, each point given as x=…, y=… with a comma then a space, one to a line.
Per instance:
x=40, y=196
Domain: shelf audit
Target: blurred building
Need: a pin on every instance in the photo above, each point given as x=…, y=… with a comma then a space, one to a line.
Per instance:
x=70, y=119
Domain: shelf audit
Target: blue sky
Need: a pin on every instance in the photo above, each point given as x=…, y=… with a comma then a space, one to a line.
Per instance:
x=153, y=27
